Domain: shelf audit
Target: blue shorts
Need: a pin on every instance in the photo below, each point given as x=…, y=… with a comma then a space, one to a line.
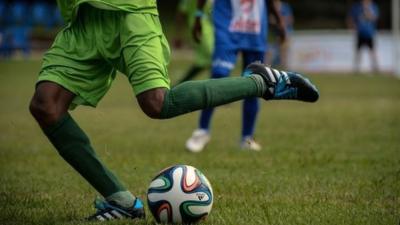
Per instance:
x=224, y=60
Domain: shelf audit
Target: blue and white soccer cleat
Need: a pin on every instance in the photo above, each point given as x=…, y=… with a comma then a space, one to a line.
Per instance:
x=284, y=85
x=110, y=211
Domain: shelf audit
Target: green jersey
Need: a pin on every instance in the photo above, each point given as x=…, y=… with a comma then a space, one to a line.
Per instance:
x=69, y=8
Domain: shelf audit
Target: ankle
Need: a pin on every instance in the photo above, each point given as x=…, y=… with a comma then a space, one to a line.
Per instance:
x=262, y=87
x=122, y=198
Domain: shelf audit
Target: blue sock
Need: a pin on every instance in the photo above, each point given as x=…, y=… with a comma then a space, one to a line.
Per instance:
x=249, y=116
x=205, y=118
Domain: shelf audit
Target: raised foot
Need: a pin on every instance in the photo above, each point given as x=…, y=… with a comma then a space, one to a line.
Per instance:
x=282, y=85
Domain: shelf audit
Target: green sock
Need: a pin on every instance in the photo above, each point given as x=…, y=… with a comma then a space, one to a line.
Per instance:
x=194, y=95
x=122, y=198
x=74, y=146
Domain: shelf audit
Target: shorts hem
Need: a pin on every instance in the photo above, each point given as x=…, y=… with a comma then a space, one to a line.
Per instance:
x=78, y=99
x=150, y=85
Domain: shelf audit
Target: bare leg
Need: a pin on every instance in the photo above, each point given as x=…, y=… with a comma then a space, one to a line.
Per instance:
x=49, y=106
x=151, y=102
x=284, y=47
x=49, y=103
x=374, y=61
x=357, y=61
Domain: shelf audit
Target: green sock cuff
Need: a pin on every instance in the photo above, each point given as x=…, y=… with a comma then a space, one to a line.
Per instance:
x=122, y=198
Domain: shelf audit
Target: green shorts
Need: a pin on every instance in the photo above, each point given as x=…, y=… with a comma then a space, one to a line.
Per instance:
x=85, y=56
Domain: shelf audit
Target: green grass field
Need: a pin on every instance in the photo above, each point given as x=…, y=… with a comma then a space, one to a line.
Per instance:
x=333, y=162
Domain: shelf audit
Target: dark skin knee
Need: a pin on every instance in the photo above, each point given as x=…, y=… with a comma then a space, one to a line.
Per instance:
x=151, y=102
x=49, y=103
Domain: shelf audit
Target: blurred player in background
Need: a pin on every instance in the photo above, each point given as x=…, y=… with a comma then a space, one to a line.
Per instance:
x=204, y=48
x=277, y=49
x=240, y=26
x=363, y=17
x=103, y=36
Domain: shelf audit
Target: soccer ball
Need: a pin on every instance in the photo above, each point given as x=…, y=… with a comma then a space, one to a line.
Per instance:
x=180, y=194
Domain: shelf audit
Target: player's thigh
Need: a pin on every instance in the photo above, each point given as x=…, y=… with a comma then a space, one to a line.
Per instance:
x=223, y=62
x=73, y=62
x=145, y=53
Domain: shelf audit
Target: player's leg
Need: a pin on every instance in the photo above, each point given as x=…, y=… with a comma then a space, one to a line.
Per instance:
x=146, y=68
x=223, y=62
x=68, y=78
x=50, y=103
x=157, y=101
x=373, y=55
x=145, y=63
x=207, y=56
x=206, y=114
x=250, y=106
x=204, y=55
x=283, y=53
x=357, y=55
x=145, y=56
x=49, y=106
x=190, y=96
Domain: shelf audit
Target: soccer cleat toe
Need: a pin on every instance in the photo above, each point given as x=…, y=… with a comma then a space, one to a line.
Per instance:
x=284, y=85
x=111, y=211
x=306, y=91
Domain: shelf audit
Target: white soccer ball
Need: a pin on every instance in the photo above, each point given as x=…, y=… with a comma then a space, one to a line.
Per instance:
x=180, y=194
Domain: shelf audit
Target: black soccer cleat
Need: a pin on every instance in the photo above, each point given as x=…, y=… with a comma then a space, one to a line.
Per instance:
x=284, y=85
x=111, y=211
